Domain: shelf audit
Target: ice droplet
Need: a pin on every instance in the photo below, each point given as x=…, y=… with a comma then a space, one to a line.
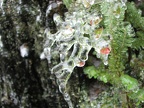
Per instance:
x=48, y=54
x=106, y=62
x=24, y=50
x=42, y=56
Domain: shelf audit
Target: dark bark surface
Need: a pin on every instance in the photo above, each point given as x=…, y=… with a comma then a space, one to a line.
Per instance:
x=27, y=82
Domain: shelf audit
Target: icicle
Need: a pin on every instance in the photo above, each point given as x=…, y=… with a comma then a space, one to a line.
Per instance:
x=62, y=81
x=68, y=100
x=50, y=7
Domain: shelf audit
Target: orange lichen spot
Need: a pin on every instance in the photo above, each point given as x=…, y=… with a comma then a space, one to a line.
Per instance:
x=81, y=64
x=105, y=50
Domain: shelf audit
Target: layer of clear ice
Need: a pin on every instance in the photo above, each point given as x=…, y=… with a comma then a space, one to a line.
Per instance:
x=76, y=35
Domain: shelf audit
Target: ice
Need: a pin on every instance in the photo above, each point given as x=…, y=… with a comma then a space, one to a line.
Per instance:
x=68, y=31
x=48, y=43
x=47, y=52
x=50, y=7
x=105, y=62
x=84, y=52
x=47, y=32
x=38, y=18
x=64, y=74
x=75, y=50
x=18, y=29
x=62, y=87
x=105, y=59
x=62, y=56
x=57, y=19
x=1, y=4
x=18, y=9
x=42, y=56
x=57, y=68
x=1, y=44
x=24, y=50
x=59, y=74
x=20, y=1
x=90, y=1
x=85, y=3
x=76, y=35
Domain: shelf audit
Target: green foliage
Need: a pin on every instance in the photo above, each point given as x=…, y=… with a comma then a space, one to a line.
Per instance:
x=139, y=95
x=120, y=23
x=91, y=71
x=129, y=82
x=133, y=15
x=96, y=73
x=137, y=44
